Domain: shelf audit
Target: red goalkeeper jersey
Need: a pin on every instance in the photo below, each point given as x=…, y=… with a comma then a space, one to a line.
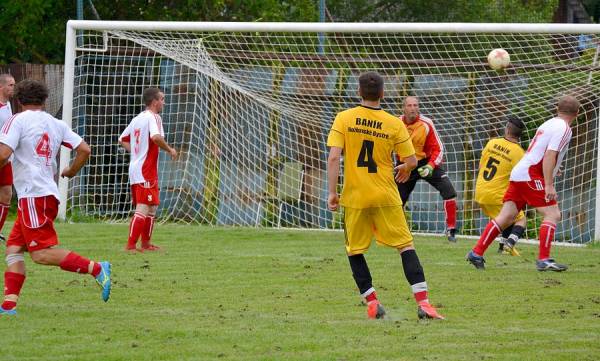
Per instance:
x=426, y=141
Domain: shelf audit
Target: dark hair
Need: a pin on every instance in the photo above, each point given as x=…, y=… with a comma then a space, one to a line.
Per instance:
x=150, y=95
x=370, y=85
x=568, y=104
x=515, y=126
x=31, y=92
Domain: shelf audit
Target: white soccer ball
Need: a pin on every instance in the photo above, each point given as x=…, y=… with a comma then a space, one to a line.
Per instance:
x=498, y=59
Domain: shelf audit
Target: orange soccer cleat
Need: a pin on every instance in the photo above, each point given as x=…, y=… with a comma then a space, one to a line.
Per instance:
x=426, y=310
x=375, y=310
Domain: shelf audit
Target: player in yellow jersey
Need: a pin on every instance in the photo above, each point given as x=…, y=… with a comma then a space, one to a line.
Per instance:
x=367, y=136
x=498, y=158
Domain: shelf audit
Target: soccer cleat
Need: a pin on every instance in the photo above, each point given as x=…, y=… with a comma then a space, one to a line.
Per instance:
x=103, y=279
x=12, y=312
x=509, y=247
x=375, y=310
x=426, y=310
x=451, y=233
x=550, y=265
x=476, y=260
x=149, y=248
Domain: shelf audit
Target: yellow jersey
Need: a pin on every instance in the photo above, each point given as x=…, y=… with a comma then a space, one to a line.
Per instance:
x=368, y=137
x=497, y=161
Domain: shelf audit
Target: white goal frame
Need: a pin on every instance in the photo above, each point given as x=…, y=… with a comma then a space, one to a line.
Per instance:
x=73, y=26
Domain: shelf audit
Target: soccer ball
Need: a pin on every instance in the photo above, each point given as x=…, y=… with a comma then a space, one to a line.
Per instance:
x=498, y=59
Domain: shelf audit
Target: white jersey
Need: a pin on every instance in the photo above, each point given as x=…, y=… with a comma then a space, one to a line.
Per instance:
x=5, y=113
x=143, y=165
x=554, y=134
x=35, y=138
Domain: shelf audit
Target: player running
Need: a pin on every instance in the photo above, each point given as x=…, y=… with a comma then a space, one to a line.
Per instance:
x=367, y=136
x=430, y=154
x=35, y=138
x=498, y=158
x=7, y=87
x=142, y=139
x=532, y=183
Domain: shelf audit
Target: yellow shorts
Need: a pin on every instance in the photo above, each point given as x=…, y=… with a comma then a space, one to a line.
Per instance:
x=493, y=210
x=387, y=224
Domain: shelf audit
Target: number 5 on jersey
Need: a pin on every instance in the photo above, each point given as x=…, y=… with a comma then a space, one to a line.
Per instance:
x=365, y=158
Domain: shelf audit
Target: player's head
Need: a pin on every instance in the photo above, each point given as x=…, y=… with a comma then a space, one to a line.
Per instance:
x=514, y=127
x=7, y=86
x=568, y=106
x=410, y=108
x=154, y=99
x=370, y=86
x=31, y=92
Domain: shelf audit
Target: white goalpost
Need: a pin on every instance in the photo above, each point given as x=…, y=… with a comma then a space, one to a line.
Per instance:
x=249, y=106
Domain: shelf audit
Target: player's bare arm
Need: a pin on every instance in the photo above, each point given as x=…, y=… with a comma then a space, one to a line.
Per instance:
x=403, y=170
x=82, y=154
x=5, y=153
x=548, y=165
x=333, y=173
x=125, y=145
x=160, y=141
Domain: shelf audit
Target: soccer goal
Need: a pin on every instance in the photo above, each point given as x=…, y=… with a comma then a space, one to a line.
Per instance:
x=249, y=106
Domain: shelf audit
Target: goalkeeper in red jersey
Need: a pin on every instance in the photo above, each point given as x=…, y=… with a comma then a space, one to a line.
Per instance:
x=367, y=135
x=430, y=154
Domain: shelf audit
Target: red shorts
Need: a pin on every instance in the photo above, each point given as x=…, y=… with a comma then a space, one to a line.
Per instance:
x=6, y=175
x=34, y=227
x=529, y=193
x=145, y=193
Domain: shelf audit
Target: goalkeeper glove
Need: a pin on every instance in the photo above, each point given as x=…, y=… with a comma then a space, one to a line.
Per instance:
x=425, y=171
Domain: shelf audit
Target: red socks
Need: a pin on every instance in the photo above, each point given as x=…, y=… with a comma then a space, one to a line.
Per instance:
x=491, y=231
x=371, y=297
x=547, y=230
x=12, y=287
x=78, y=264
x=136, y=228
x=420, y=292
x=147, y=232
x=450, y=208
x=3, y=213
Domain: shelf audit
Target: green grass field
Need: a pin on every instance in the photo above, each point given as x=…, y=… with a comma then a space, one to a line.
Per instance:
x=247, y=294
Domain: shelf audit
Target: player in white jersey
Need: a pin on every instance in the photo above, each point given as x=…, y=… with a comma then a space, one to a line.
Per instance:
x=142, y=139
x=35, y=138
x=7, y=86
x=532, y=183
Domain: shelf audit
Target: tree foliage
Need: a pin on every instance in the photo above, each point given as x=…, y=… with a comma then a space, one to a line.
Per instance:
x=33, y=30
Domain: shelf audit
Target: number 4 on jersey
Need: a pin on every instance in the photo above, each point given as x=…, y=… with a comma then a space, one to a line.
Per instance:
x=365, y=158
x=42, y=148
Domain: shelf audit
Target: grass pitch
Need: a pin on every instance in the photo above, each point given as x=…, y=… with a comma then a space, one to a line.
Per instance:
x=247, y=294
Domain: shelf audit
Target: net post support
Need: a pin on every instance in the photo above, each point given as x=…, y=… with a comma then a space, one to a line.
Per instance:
x=65, y=153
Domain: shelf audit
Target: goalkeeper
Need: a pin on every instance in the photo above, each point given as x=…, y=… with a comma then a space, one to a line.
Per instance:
x=430, y=152
x=498, y=158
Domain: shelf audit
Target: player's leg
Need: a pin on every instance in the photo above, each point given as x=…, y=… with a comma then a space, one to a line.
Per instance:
x=14, y=278
x=440, y=181
x=392, y=230
x=6, y=181
x=358, y=233
x=138, y=221
x=492, y=230
x=148, y=228
x=406, y=188
x=513, y=233
x=551, y=216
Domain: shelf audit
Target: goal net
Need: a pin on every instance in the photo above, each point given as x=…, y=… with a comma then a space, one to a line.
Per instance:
x=249, y=107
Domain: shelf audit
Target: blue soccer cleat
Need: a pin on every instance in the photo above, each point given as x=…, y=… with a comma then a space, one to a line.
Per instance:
x=12, y=312
x=550, y=265
x=476, y=260
x=103, y=279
